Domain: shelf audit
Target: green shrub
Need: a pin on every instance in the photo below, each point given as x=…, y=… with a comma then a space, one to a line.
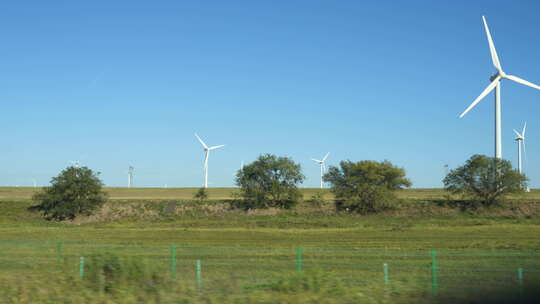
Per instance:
x=270, y=181
x=317, y=199
x=109, y=272
x=201, y=195
x=486, y=179
x=73, y=192
x=365, y=186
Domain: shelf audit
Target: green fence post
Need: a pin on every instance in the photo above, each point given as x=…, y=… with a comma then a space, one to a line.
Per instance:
x=81, y=267
x=59, y=252
x=434, y=281
x=520, y=278
x=299, y=263
x=198, y=274
x=173, y=262
x=385, y=269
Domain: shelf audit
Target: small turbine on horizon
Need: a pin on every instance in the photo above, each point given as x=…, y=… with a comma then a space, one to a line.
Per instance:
x=130, y=176
x=323, y=167
x=520, y=139
x=496, y=85
x=207, y=150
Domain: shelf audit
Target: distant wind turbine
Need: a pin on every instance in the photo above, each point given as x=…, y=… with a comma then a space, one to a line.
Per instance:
x=323, y=167
x=207, y=150
x=130, y=176
x=520, y=139
x=496, y=84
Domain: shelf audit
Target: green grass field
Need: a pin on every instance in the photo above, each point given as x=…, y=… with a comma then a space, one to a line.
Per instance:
x=252, y=257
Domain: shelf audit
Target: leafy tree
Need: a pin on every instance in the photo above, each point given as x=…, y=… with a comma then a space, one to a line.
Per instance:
x=270, y=181
x=486, y=179
x=74, y=191
x=365, y=186
x=201, y=194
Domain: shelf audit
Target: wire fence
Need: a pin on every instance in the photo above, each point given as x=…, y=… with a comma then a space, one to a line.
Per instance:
x=433, y=269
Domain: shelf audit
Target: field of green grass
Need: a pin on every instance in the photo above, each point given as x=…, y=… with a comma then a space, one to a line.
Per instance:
x=253, y=257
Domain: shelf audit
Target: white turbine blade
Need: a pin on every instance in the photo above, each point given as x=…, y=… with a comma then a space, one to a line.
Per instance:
x=486, y=91
x=316, y=160
x=323, y=168
x=326, y=156
x=201, y=141
x=216, y=147
x=517, y=133
x=522, y=81
x=492, y=50
x=524, y=127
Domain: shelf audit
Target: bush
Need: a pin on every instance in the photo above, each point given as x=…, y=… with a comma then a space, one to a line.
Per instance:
x=108, y=273
x=270, y=181
x=365, y=186
x=317, y=199
x=201, y=195
x=74, y=191
x=486, y=179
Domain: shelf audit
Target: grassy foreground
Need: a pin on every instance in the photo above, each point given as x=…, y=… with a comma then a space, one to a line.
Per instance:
x=252, y=257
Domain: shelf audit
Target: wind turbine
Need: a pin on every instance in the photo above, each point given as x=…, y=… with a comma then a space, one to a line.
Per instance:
x=496, y=84
x=520, y=139
x=130, y=176
x=323, y=167
x=207, y=150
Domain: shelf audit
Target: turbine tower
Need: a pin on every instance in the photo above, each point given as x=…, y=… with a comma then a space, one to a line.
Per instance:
x=496, y=85
x=520, y=139
x=207, y=150
x=323, y=167
x=130, y=176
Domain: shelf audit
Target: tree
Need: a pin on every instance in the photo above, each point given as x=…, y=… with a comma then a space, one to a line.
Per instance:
x=365, y=186
x=74, y=191
x=270, y=181
x=486, y=179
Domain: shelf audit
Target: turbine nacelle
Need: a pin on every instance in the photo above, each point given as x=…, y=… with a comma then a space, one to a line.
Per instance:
x=500, y=74
x=521, y=136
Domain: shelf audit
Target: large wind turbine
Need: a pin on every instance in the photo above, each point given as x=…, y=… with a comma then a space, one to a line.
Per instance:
x=520, y=139
x=323, y=167
x=496, y=84
x=206, y=152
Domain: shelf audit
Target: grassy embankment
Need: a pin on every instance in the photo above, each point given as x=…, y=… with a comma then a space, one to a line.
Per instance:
x=146, y=222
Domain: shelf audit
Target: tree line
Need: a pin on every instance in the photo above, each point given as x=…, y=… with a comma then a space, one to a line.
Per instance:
x=271, y=181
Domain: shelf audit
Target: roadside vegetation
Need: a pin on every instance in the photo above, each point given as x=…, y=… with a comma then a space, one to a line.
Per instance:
x=485, y=179
x=126, y=241
x=75, y=191
x=365, y=186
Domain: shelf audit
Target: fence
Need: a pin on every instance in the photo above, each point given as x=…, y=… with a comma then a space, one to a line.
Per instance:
x=433, y=269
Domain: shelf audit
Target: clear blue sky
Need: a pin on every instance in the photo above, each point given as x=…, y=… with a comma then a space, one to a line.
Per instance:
x=113, y=83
